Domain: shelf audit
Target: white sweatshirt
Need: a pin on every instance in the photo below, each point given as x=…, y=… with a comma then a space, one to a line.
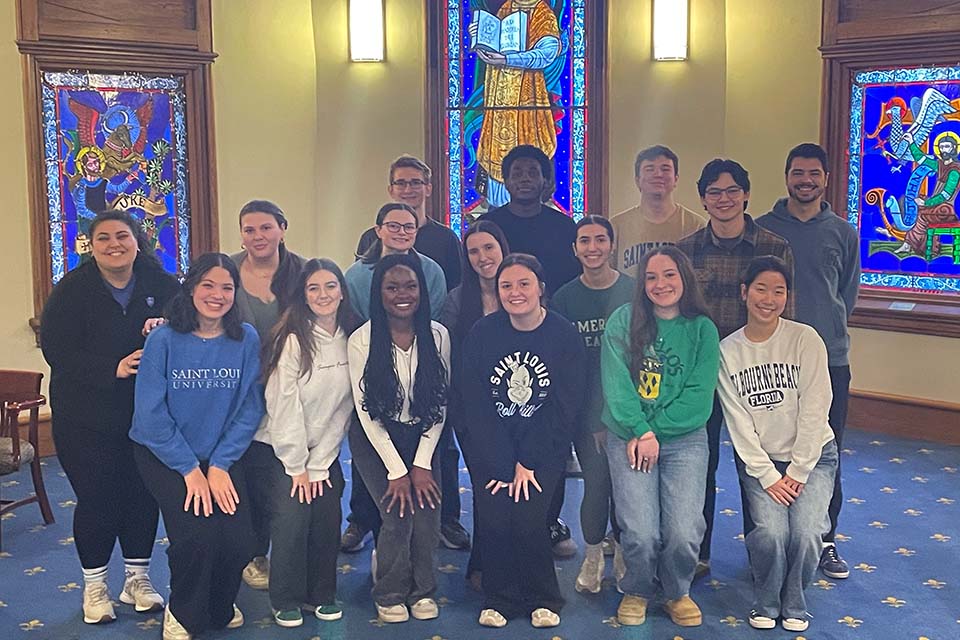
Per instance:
x=308, y=416
x=405, y=364
x=776, y=398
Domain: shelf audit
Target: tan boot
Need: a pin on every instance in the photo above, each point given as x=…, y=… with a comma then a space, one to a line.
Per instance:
x=684, y=612
x=632, y=611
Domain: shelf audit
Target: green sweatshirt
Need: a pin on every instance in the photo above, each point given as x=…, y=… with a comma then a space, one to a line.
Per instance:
x=673, y=393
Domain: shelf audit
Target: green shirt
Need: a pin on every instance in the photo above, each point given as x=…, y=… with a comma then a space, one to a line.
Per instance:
x=588, y=310
x=672, y=395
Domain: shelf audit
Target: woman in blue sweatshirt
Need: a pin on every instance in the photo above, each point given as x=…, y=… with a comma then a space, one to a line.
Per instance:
x=522, y=370
x=197, y=406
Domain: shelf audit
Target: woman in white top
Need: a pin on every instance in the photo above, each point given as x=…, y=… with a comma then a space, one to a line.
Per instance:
x=775, y=392
x=399, y=369
x=309, y=405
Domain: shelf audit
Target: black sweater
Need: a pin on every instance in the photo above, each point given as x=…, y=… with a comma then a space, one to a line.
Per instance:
x=523, y=392
x=84, y=333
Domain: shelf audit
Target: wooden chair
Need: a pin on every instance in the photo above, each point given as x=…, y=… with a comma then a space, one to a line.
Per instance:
x=20, y=391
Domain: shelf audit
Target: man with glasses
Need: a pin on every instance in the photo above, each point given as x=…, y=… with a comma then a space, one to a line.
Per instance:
x=410, y=185
x=720, y=253
x=658, y=219
x=827, y=250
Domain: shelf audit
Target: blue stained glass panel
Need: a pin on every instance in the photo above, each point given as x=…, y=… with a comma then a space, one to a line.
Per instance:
x=904, y=178
x=115, y=142
x=553, y=63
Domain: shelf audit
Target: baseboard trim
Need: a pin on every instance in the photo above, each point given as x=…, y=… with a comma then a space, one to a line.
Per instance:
x=905, y=417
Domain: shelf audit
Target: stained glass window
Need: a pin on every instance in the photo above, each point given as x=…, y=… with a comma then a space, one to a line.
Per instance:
x=522, y=79
x=113, y=141
x=904, y=177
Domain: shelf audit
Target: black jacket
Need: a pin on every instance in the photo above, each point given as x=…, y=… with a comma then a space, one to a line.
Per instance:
x=84, y=333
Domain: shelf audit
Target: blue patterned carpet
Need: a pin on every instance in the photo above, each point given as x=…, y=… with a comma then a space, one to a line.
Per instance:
x=900, y=533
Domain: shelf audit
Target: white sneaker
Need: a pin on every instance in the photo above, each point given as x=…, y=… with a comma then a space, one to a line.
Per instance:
x=795, y=624
x=425, y=609
x=619, y=565
x=543, y=618
x=393, y=613
x=97, y=606
x=257, y=573
x=591, y=571
x=492, y=618
x=760, y=621
x=172, y=629
x=138, y=591
x=237, y=620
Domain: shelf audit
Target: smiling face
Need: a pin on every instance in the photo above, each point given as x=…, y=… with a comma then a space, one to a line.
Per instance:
x=323, y=294
x=663, y=285
x=520, y=290
x=657, y=176
x=114, y=246
x=261, y=234
x=724, y=199
x=593, y=246
x=398, y=231
x=766, y=298
x=213, y=295
x=410, y=187
x=484, y=254
x=400, y=292
x=806, y=180
x=526, y=181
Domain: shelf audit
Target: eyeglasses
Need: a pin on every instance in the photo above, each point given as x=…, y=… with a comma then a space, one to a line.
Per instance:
x=408, y=184
x=395, y=227
x=730, y=192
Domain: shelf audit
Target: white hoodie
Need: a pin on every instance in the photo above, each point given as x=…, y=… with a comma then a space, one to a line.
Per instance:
x=308, y=416
x=776, y=399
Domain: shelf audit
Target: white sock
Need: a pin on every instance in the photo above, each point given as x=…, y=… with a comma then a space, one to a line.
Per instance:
x=92, y=576
x=135, y=567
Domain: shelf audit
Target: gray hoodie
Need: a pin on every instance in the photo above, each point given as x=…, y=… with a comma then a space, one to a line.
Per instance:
x=826, y=253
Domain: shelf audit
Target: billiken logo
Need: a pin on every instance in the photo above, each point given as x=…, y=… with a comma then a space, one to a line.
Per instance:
x=520, y=384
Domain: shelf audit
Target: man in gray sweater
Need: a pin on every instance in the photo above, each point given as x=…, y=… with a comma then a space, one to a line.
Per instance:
x=826, y=252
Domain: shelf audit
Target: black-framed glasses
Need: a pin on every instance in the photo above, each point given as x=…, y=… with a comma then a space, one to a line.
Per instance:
x=411, y=184
x=396, y=227
x=730, y=192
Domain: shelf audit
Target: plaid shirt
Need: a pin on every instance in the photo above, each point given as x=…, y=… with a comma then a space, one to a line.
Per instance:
x=719, y=270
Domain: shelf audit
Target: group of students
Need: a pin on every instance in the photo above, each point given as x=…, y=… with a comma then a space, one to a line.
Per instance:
x=229, y=420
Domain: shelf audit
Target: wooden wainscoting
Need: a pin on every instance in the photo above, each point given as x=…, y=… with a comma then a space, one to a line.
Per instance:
x=905, y=417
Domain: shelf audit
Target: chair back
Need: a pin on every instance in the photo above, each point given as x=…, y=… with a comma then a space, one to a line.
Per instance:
x=16, y=387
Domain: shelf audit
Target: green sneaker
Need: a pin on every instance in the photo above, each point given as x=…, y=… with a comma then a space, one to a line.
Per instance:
x=329, y=612
x=288, y=618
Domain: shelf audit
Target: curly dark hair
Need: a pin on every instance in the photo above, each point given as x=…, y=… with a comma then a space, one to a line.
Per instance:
x=643, y=321
x=181, y=312
x=298, y=319
x=382, y=395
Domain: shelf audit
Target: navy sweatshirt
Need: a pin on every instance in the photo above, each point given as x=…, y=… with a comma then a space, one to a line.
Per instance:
x=523, y=393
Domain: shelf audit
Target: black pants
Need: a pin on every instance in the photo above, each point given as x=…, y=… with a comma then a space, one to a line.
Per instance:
x=112, y=500
x=596, y=508
x=206, y=554
x=518, y=571
x=714, y=424
x=840, y=385
x=260, y=489
x=306, y=537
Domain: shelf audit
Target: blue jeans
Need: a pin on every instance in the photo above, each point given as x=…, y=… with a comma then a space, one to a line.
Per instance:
x=784, y=545
x=660, y=514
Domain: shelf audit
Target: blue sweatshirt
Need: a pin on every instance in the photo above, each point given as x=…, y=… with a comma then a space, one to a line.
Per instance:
x=197, y=399
x=826, y=257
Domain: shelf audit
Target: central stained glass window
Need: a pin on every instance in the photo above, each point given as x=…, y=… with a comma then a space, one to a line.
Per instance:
x=516, y=72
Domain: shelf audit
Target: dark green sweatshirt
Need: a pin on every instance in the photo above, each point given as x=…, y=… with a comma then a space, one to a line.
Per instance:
x=673, y=393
